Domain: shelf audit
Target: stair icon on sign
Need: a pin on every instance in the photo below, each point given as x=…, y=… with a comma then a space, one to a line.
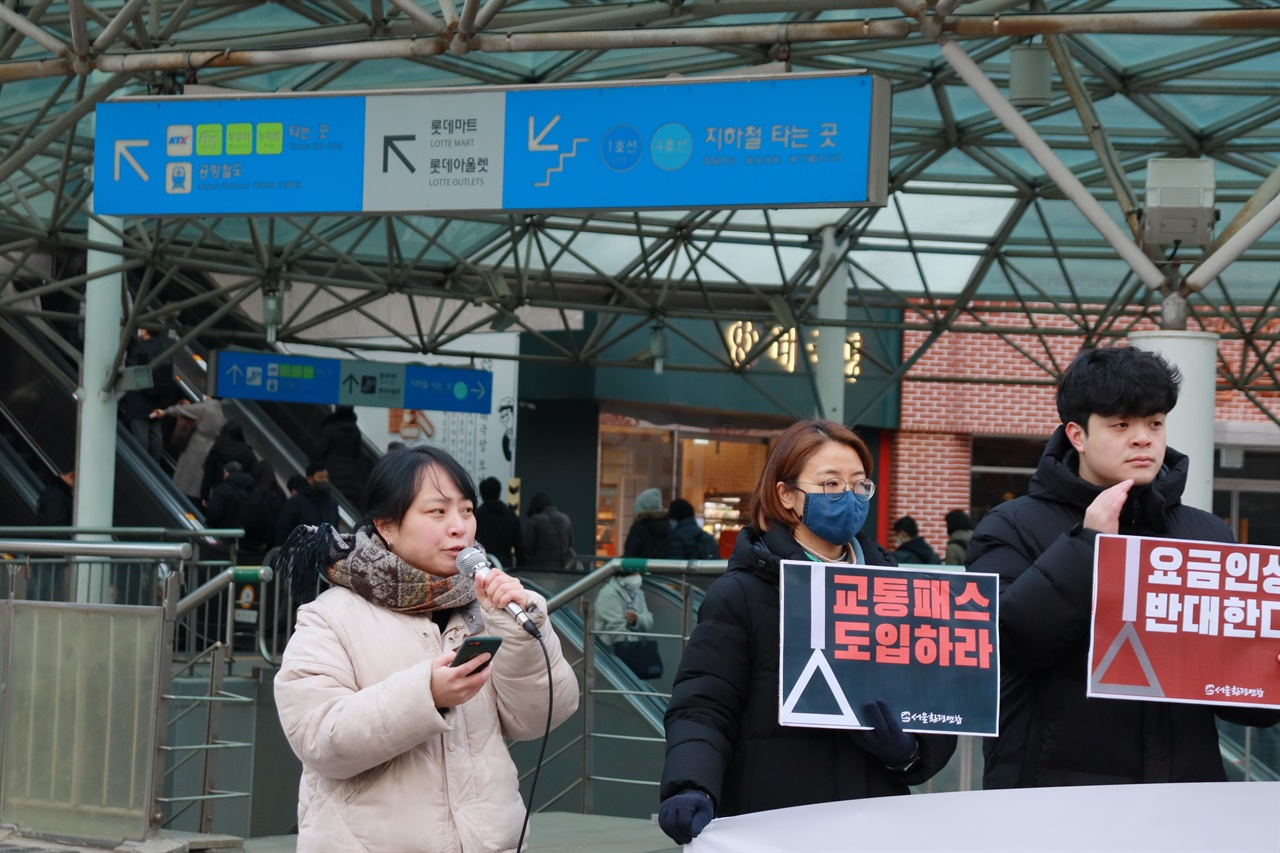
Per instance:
x=559, y=167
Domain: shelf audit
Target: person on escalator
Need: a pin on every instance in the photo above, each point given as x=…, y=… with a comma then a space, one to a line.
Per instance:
x=311, y=501
x=229, y=503
x=340, y=453
x=204, y=422
x=621, y=608
x=726, y=752
x=229, y=446
x=137, y=405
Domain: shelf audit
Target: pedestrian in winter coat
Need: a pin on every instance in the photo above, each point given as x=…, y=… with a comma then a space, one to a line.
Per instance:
x=1105, y=470
x=650, y=529
x=310, y=501
x=229, y=446
x=621, y=608
x=959, y=532
x=229, y=498
x=548, y=535
x=688, y=541
x=498, y=527
x=188, y=474
x=401, y=751
x=340, y=453
x=912, y=548
x=726, y=752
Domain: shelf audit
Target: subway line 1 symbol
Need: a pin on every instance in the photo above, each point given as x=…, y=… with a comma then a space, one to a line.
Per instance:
x=536, y=144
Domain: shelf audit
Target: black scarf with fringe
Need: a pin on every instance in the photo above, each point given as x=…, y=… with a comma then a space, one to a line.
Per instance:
x=362, y=563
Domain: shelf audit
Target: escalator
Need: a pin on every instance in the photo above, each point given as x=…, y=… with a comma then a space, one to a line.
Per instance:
x=40, y=415
x=18, y=499
x=286, y=435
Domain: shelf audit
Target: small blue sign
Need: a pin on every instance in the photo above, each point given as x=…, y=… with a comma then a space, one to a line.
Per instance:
x=274, y=376
x=448, y=389
x=299, y=379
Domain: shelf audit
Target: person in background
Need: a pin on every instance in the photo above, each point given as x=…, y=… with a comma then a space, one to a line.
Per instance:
x=138, y=404
x=310, y=501
x=688, y=541
x=651, y=528
x=911, y=545
x=959, y=532
x=400, y=750
x=726, y=752
x=340, y=447
x=229, y=498
x=1106, y=469
x=229, y=446
x=498, y=527
x=621, y=608
x=55, y=507
x=55, y=504
x=548, y=535
x=188, y=474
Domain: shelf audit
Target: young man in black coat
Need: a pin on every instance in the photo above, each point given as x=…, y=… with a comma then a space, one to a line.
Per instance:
x=498, y=527
x=1105, y=470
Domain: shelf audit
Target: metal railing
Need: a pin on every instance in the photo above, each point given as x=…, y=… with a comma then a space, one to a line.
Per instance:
x=89, y=703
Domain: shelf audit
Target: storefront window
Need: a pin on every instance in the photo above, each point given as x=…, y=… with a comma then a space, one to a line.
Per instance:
x=714, y=472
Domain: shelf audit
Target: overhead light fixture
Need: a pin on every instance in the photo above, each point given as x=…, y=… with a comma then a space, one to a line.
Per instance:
x=658, y=348
x=1030, y=80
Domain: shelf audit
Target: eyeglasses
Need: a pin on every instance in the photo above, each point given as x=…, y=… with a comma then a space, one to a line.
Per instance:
x=834, y=487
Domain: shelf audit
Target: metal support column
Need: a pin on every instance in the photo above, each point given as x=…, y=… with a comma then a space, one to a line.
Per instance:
x=97, y=397
x=828, y=342
x=1189, y=427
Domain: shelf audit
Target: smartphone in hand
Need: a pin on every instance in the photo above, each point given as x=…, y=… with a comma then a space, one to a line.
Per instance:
x=473, y=646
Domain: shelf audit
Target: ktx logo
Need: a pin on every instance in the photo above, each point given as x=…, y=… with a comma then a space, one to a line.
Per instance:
x=178, y=140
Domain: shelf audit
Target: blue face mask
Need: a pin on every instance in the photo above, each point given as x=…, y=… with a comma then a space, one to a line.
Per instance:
x=836, y=521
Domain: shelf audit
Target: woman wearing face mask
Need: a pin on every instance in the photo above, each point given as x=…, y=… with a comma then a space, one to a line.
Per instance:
x=620, y=608
x=726, y=752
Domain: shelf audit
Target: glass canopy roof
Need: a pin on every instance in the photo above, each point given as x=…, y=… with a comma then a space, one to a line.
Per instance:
x=972, y=218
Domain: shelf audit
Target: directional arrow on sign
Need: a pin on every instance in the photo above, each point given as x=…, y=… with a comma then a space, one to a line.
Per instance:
x=389, y=145
x=351, y=382
x=535, y=142
x=479, y=389
x=235, y=372
x=122, y=150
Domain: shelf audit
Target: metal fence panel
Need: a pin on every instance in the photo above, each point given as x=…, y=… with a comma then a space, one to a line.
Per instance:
x=78, y=718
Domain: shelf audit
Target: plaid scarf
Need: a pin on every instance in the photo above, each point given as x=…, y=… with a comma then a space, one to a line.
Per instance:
x=362, y=563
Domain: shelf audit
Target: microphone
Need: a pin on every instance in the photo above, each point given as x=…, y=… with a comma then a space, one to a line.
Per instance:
x=472, y=562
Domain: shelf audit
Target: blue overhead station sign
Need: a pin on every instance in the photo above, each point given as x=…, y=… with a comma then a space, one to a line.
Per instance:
x=796, y=140
x=299, y=379
x=251, y=155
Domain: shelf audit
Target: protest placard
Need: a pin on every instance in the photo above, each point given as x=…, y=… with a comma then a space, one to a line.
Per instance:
x=926, y=641
x=1185, y=621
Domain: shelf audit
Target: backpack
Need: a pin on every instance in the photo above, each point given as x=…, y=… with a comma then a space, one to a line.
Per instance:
x=704, y=547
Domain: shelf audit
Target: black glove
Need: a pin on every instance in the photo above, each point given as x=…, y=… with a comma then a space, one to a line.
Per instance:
x=686, y=814
x=886, y=740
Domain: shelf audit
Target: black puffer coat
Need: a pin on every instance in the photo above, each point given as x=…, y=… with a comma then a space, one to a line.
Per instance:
x=722, y=725
x=1050, y=733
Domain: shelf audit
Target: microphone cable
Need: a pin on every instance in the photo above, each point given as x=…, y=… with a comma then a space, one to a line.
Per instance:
x=546, y=735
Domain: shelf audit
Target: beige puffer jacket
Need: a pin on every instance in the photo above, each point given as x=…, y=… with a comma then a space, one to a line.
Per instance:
x=383, y=769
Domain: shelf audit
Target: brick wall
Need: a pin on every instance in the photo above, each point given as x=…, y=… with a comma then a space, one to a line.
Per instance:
x=932, y=451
